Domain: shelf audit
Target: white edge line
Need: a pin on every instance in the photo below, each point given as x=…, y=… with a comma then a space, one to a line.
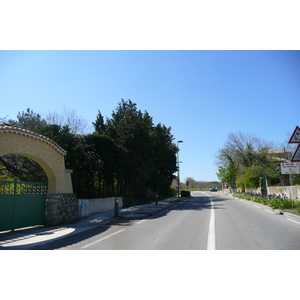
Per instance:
x=100, y=240
x=293, y=221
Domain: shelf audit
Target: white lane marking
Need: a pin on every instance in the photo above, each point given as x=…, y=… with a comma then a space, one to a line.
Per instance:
x=271, y=212
x=100, y=240
x=211, y=242
x=256, y=206
x=293, y=221
x=139, y=222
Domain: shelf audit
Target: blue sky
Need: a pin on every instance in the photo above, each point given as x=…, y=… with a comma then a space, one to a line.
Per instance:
x=201, y=95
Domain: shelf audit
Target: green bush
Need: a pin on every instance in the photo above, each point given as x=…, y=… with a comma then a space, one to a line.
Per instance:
x=274, y=201
x=185, y=193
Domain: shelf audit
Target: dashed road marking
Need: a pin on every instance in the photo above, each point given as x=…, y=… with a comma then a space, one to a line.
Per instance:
x=293, y=221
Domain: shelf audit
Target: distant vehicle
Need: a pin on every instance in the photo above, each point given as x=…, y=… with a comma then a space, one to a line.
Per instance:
x=213, y=189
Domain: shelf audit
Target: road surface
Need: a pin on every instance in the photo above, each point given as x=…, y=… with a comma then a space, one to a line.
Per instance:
x=206, y=221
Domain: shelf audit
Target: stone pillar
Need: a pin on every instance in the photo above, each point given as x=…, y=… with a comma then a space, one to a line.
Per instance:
x=61, y=208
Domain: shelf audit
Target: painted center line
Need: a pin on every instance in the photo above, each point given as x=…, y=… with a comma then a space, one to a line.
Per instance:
x=211, y=242
x=100, y=240
x=256, y=206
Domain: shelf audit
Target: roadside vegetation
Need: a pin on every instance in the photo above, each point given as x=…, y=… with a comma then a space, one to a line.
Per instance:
x=281, y=202
x=125, y=155
x=246, y=160
x=194, y=185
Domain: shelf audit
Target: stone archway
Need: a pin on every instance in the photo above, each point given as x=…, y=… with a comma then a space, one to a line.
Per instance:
x=51, y=157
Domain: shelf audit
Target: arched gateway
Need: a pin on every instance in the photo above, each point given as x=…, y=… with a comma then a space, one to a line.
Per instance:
x=61, y=203
x=51, y=157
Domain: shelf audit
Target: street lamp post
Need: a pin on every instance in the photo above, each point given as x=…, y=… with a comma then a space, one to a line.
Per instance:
x=178, y=187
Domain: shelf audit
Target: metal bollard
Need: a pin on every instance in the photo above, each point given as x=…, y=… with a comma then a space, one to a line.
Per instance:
x=116, y=208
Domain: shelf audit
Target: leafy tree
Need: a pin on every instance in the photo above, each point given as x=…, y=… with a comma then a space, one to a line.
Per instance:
x=109, y=159
x=130, y=128
x=59, y=134
x=164, y=159
x=246, y=158
x=127, y=155
x=28, y=120
x=226, y=169
x=99, y=125
x=151, y=154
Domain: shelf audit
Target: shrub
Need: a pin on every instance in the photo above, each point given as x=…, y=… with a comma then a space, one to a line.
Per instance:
x=185, y=193
x=275, y=201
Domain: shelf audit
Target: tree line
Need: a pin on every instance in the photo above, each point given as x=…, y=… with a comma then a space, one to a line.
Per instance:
x=125, y=155
x=191, y=184
x=246, y=159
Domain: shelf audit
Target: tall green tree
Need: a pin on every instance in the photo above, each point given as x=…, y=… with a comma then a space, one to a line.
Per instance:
x=151, y=158
x=164, y=159
x=99, y=124
x=127, y=155
x=29, y=120
x=131, y=128
x=226, y=166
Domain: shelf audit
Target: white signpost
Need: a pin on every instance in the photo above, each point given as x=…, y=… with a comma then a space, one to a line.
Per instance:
x=290, y=168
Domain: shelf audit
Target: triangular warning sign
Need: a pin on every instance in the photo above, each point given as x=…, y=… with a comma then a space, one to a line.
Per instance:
x=296, y=155
x=295, y=138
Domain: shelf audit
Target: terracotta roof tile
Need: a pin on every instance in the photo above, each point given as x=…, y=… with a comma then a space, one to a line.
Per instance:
x=6, y=128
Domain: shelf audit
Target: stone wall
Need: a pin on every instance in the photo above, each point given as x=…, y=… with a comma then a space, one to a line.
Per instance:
x=65, y=208
x=61, y=208
x=292, y=192
x=91, y=206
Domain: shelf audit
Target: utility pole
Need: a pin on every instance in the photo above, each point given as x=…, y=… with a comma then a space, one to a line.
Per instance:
x=178, y=162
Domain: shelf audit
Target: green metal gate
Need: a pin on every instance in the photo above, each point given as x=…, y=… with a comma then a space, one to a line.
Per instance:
x=22, y=204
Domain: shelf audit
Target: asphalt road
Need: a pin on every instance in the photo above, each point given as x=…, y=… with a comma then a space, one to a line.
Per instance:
x=206, y=221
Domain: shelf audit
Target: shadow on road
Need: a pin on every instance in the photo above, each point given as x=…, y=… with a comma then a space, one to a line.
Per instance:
x=195, y=203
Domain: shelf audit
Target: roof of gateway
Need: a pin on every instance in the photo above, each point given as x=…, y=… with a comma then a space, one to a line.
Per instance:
x=6, y=128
